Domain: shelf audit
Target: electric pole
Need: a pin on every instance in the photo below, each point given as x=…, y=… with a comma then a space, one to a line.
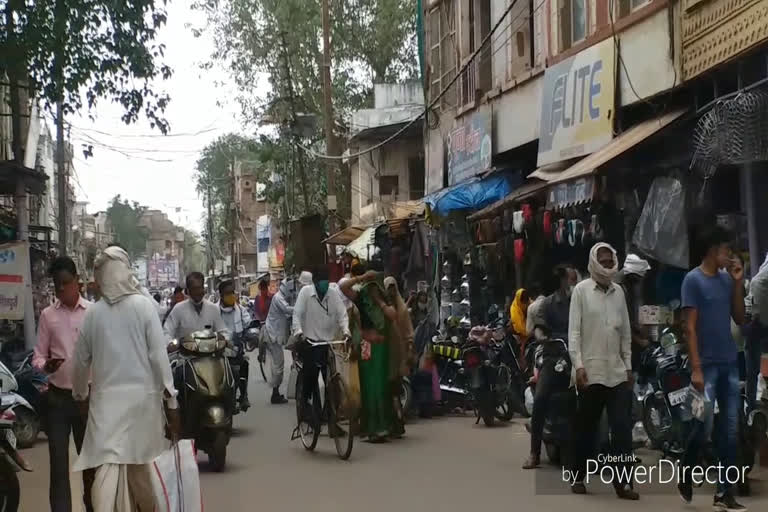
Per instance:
x=235, y=225
x=330, y=138
x=61, y=176
x=211, y=258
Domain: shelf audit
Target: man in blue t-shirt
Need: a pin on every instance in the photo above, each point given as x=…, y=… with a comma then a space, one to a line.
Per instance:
x=711, y=297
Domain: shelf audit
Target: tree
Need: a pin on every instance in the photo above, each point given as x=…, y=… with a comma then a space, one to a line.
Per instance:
x=80, y=51
x=125, y=218
x=194, y=255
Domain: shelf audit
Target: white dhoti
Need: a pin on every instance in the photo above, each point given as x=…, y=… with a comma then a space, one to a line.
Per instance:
x=123, y=488
x=276, y=362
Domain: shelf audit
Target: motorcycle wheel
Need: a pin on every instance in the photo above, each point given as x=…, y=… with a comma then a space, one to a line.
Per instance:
x=26, y=428
x=553, y=453
x=504, y=411
x=10, y=490
x=217, y=456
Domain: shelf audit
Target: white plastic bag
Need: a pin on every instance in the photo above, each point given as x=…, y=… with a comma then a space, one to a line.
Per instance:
x=662, y=230
x=293, y=375
x=176, y=480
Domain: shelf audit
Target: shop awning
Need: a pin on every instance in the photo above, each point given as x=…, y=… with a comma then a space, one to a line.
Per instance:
x=474, y=193
x=529, y=188
x=345, y=236
x=627, y=140
x=361, y=245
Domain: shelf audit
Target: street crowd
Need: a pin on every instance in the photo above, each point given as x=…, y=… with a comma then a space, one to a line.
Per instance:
x=112, y=388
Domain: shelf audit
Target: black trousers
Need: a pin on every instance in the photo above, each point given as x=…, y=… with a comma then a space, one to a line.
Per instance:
x=63, y=418
x=548, y=383
x=591, y=404
x=314, y=361
x=242, y=379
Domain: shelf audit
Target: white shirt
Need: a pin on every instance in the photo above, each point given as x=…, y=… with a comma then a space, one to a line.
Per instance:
x=184, y=319
x=599, y=334
x=236, y=318
x=123, y=348
x=277, y=327
x=320, y=320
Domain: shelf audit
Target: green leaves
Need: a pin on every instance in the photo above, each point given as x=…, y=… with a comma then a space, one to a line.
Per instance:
x=125, y=218
x=82, y=51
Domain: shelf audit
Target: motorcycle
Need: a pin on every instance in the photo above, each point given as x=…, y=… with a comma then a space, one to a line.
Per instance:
x=11, y=461
x=489, y=380
x=206, y=385
x=27, y=421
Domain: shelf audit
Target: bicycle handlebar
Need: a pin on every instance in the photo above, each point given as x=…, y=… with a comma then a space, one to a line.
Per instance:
x=324, y=343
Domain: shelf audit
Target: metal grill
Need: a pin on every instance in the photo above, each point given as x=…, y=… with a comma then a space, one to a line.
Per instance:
x=732, y=132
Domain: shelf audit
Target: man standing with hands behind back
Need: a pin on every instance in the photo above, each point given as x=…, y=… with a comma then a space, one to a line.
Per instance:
x=57, y=335
x=711, y=297
x=599, y=342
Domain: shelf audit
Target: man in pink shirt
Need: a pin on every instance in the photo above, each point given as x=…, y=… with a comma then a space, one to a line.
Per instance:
x=56, y=338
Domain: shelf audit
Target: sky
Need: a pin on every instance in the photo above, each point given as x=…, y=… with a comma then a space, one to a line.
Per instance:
x=140, y=163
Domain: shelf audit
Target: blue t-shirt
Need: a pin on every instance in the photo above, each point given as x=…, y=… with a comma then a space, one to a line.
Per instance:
x=710, y=296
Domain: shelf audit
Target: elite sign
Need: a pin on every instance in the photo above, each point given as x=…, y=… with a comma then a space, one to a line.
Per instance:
x=578, y=98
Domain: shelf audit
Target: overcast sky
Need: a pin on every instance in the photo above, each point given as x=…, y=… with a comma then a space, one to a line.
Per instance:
x=138, y=162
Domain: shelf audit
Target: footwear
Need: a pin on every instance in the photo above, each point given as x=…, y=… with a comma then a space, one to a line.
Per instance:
x=686, y=491
x=245, y=404
x=727, y=502
x=532, y=462
x=578, y=488
x=627, y=493
x=278, y=399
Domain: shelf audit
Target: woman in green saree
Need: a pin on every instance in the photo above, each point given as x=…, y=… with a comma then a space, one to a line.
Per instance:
x=367, y=293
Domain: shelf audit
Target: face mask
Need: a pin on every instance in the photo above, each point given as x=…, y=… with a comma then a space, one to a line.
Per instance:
x=569, y=291
x=422, y=306
x=322, y=288
x=228, y=300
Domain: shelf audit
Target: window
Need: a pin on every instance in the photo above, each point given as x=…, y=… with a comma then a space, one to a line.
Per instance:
x=416, y=178
x=388, y=186
x=476, y=23
x=626, y=7
x=520, y=55
x=442, y=52
x=573, y=22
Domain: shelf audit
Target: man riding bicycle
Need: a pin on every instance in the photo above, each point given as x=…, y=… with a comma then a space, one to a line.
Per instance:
x=319, y=315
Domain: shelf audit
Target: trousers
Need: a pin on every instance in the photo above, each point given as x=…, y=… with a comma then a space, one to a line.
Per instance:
x=64, y=418
x=276, y=362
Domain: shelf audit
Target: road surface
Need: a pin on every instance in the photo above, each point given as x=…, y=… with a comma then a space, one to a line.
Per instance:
x=445, y=464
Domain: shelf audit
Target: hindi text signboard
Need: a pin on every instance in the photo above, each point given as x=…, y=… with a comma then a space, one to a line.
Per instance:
x=13, y=257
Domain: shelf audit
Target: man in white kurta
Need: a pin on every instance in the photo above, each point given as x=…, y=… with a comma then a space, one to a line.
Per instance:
x=123, y=349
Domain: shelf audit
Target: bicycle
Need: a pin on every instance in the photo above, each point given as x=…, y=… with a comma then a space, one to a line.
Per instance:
x=335, y=406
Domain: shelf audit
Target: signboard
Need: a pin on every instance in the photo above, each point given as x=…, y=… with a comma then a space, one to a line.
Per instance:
x=577, y=104
x=140, y=270
x=13, y=258
x=163, y=273
x=569, y=193
x=469, y=148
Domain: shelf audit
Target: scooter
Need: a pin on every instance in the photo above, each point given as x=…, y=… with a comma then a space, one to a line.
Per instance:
x=11, y=461
x=205, y=382
x=27, y=422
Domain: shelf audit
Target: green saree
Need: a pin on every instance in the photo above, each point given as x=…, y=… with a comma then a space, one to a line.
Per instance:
x=377, y=414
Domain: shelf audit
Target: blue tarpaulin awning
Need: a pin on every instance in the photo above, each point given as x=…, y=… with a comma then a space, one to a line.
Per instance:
x=473, y=193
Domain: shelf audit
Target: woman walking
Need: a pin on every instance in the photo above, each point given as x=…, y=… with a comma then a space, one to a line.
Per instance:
x=401, y=349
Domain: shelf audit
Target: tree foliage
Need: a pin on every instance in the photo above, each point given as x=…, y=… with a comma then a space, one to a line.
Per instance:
x=81, y=51
x=194, y=255
x=125, y=217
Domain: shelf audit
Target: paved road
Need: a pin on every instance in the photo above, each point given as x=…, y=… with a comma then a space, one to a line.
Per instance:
x=444, y=464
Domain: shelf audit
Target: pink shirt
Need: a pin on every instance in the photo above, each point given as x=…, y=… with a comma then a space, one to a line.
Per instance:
x=56, y=339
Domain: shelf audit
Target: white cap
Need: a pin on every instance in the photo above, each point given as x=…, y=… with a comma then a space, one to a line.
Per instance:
x=634, y=264
x=305, y=279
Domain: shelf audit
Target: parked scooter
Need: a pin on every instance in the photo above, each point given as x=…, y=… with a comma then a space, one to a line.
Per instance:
x=205, y=382
x=27, y=422
x=11, y=461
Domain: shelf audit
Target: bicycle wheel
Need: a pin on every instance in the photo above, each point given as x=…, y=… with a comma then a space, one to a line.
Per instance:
x=264, y=366
x=341, y=418
x=309, y=430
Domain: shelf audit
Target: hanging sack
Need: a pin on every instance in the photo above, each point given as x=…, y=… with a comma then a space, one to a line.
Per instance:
x=292, y=378
x=527, y=213
x=349, y=371
x=518, y=221
x=176, y=480
x=519, y=250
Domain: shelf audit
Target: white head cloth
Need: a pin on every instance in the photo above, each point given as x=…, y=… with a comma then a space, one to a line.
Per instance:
x=634, y=264
x=114, y=275
x=599, y=273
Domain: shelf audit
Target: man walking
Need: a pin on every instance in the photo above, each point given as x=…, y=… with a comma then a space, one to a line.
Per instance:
x=122, y=348
x=195, y=313
x=276, y=332
x=600, y=338
x=711, y=298
x=237, y=319
x=56, y=340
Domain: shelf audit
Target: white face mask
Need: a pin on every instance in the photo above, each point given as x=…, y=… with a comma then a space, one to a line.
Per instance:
x=569, y=291
x=422, y=306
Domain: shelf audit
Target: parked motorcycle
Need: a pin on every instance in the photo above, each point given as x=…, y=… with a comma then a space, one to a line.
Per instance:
x=27, y=421
x=205, y=382
x=11, y=461
x=489, y=382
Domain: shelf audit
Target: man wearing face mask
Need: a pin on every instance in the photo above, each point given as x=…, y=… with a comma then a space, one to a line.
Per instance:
x=195, y=313
x=236, y=319
x=57, y=335
x=552, y=313
x=319, y=315
x=599, y=343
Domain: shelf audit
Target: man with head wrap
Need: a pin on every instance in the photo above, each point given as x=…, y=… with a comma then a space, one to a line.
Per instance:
x=276, y=331
x=121, y=348
x=631, y=279
x=599, y=337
